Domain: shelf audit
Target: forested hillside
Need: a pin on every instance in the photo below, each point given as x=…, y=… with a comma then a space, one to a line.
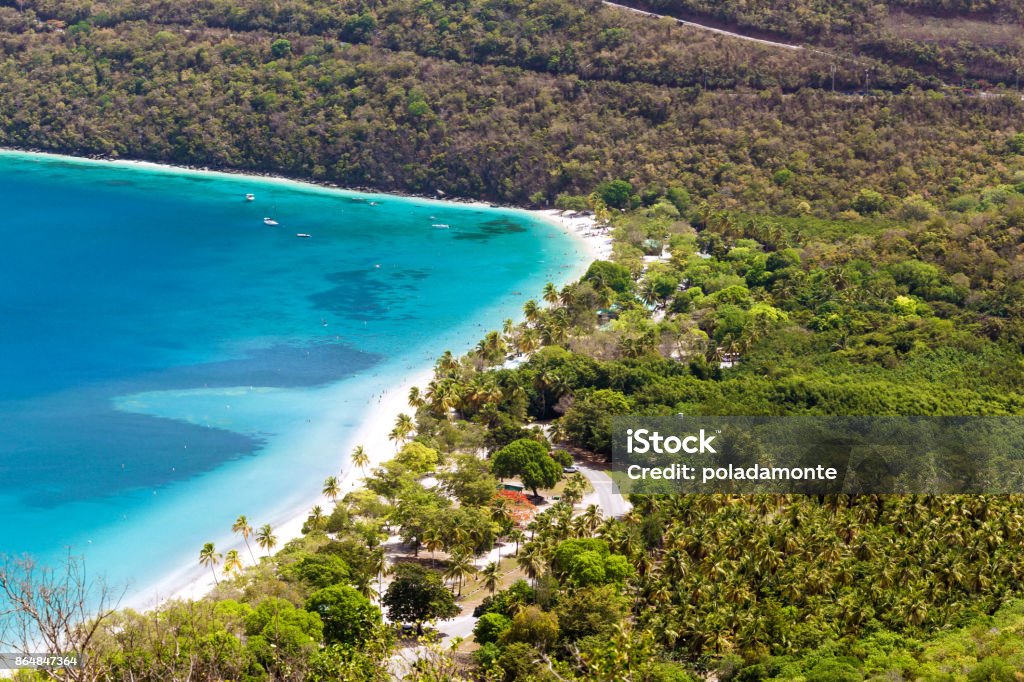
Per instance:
x=511, y=101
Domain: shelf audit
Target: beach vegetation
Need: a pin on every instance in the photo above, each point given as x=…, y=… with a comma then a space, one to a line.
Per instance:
x=331, y=489
x=529, y=460
x=360, y=458
x=232, y=562
x=210, y=557
x=265, y=537
x=244, y=528
x=348, y=616
x=417, y=595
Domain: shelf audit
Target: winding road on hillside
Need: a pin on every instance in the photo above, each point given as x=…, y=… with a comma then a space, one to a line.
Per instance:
x=762, y=41
x=785, y=46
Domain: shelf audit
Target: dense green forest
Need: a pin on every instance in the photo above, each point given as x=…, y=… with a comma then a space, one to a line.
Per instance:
x=780, y=248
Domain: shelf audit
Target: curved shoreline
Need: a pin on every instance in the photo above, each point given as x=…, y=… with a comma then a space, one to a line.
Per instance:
x=191, y=581
x=233, y=173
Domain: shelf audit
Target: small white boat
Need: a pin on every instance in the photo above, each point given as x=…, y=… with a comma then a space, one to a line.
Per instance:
x=250, y=197
x=303, y=235
x=441, y=226
x=270, y=221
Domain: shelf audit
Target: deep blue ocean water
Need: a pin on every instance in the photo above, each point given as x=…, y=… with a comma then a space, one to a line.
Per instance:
x=168, y=362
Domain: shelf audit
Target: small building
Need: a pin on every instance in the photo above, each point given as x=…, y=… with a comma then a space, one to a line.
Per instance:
x=729, y=360
x=605, y=315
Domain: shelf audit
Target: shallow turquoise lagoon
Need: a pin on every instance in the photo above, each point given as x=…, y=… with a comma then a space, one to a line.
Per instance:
x=168, y=361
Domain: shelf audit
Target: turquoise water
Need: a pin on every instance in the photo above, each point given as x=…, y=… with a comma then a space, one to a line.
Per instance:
x=168, y=362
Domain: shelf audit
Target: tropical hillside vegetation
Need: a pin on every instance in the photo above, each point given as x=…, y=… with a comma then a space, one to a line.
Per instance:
x=511, y=101
x=780, y=248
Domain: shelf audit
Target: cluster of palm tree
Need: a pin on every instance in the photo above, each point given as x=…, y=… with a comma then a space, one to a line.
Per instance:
x=760, y=575
x=404, y=428
x=726, y=226
x=718, y=575
x=502, y=515
x=332, y=484
x=465, y=397
x=551, y=527
x=472, y=393
x=639, y=344
x=460, y=567
x=459, y=389
x=554, y=324
x=264, y=537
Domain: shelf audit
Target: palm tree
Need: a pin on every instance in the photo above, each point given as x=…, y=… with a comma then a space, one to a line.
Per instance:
x=492, y=348
x=242, y=526
x=550, y=294
x=531, y=561
x=531, y=311
x=555, y=330
x=460, y=565
x=331, y=488
x=648, y=294
x=416, y=400
x=232, y=562
x=447, y=365
x=501, y=513
x=316, y=518
x=265, y=538
x=556, y=432
x=516, y=536
x=209, y=556
x=444, y=396
x=378, y=565
x=591, y=518
x=360, y=458
x=491, y=575
x=549, y=381
x=363, y=582
x=433, y=540
x=528, y=341
x=476, y=392
x=568, y=295
x=404, y=427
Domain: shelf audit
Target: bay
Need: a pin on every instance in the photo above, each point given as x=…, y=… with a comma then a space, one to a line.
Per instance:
x=168, y=361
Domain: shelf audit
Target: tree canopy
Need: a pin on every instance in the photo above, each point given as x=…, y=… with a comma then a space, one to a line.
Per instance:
x=530, y=461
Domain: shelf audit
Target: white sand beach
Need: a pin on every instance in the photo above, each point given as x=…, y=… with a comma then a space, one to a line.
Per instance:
x=194, y=581
x=596, y=241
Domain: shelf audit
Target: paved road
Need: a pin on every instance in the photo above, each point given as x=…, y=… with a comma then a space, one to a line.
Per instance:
x=771, y=43
x=603, y=495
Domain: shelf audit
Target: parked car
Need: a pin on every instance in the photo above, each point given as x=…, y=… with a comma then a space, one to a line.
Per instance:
x=570, y=470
